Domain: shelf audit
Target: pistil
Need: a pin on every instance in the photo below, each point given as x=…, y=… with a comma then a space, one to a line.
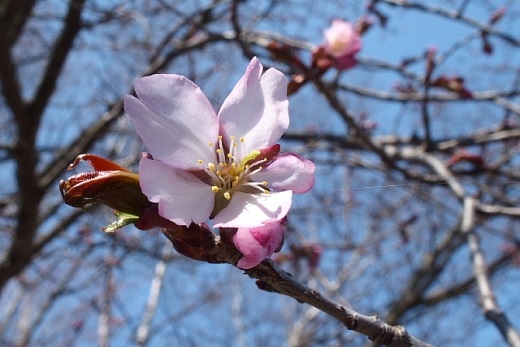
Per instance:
x=230, y=174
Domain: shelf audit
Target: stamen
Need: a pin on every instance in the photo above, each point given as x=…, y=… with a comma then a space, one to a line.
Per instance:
x=234, y=167
x=258, y=162
x=256, y=170
x=211, y=174
x=257, y=185
x=221, y=179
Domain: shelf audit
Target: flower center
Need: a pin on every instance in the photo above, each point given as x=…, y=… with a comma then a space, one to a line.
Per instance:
x=233, y=170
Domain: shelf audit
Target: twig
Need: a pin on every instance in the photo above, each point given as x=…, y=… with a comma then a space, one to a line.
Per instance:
x=370, y=326
x=143, y=331
x=488, y=302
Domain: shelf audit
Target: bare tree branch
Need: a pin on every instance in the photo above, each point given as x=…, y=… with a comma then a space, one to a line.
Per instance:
x=489, y=305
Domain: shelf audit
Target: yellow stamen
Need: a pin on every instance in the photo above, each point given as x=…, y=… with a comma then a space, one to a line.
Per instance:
x=229, y=175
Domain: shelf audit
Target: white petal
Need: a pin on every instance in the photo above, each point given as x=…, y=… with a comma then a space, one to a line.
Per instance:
x=257, y=108
x=182, y=197
x=174, y=119
x=253, y=210
x=288, y=171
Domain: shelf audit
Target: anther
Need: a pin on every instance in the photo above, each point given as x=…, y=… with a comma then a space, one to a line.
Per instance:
x=227, y=196
x=214, y=189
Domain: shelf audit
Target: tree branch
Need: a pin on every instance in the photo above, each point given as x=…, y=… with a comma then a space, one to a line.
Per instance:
x=488, y=302
x=370, y=326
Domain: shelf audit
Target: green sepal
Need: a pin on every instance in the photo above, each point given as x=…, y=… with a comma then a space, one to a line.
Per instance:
x=122, y=220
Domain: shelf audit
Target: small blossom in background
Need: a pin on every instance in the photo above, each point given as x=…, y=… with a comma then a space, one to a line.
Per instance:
x=342, y=43
x=225, y=167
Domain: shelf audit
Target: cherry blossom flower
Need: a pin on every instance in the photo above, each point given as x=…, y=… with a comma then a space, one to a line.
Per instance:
x=342, y=42
x=225, y=167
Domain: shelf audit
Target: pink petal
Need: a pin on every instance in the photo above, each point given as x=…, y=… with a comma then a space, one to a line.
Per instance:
x=256, y=244
x=182, y=197
x=288, y=171
x=174, y=119
x=253, y=210
x=341, y=39
x=257, y=108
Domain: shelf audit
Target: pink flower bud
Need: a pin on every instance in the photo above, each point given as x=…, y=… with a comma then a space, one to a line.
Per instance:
x=259, y=243
x=342, y=42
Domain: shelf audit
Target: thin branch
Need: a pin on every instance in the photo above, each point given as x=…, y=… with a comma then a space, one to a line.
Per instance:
x=423, y=277
x=453, y=15
x=15, y=14
x=105, y=315
x=61, y=50
x=370, y=326
x=26, y=334
x=465, y=286
x=488, y=302
x=143, y=331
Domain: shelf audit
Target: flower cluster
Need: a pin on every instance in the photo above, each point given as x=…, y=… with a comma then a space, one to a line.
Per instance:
x=227, y=166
